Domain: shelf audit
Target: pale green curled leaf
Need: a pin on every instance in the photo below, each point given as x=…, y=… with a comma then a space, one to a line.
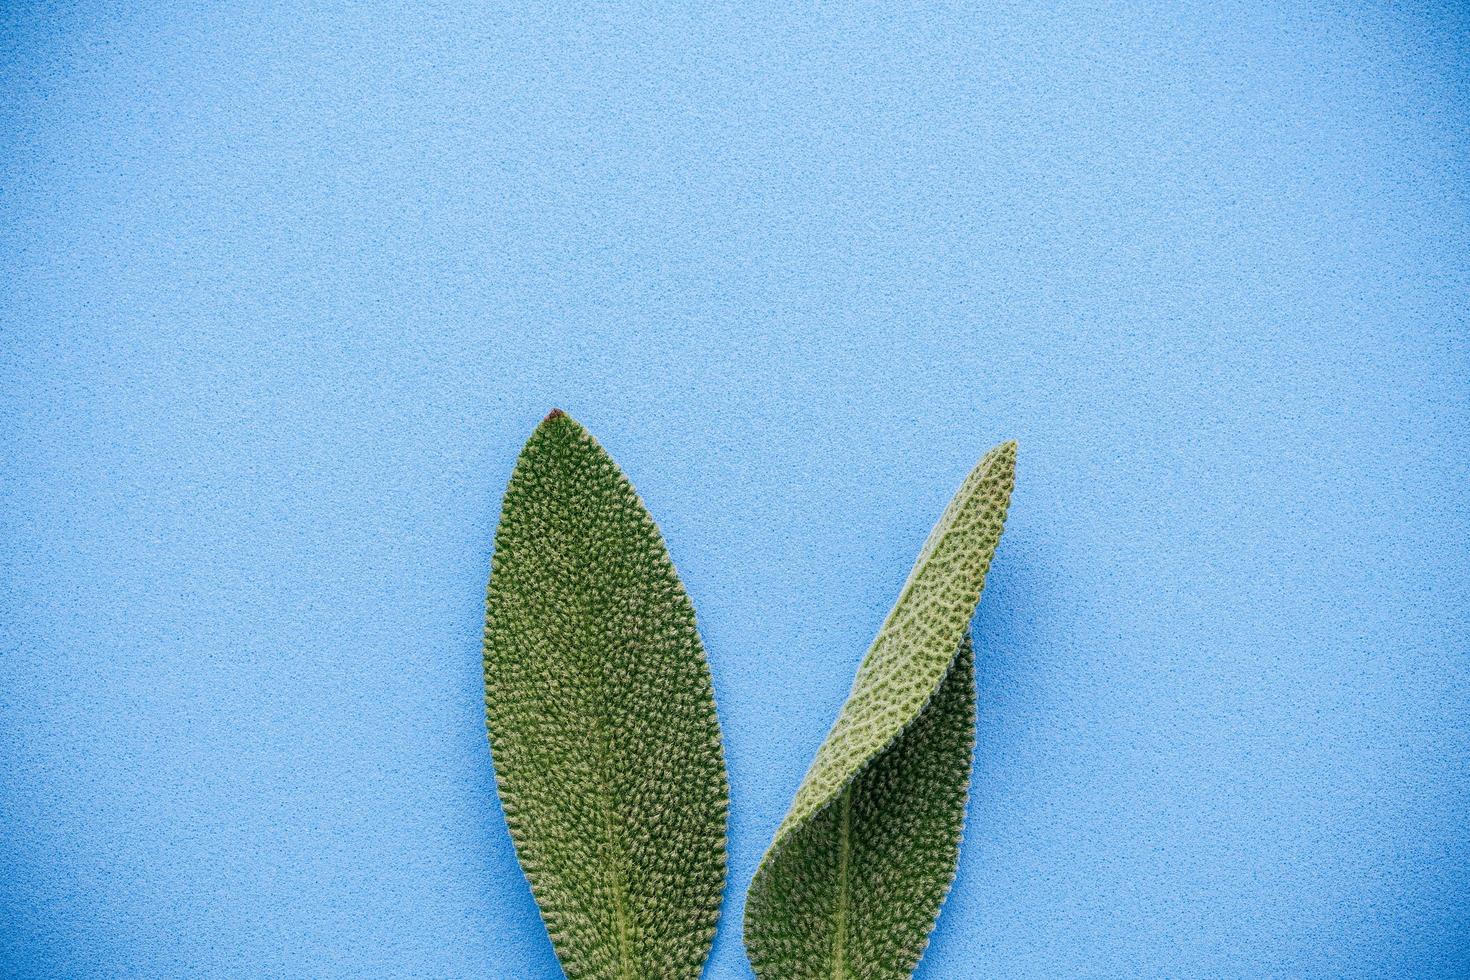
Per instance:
x=602, y=718
x=853, y=881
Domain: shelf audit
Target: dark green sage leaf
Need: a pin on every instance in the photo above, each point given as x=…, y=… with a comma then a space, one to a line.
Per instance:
x=602, y=718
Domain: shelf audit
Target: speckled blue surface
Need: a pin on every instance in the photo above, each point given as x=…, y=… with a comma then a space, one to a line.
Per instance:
x=284, y=291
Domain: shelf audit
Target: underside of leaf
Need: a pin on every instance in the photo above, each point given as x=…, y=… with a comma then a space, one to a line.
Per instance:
x=602, y=718
x=853, y=881
x=893, y=836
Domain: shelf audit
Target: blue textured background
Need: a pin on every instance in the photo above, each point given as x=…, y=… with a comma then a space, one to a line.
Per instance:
x=284, y=291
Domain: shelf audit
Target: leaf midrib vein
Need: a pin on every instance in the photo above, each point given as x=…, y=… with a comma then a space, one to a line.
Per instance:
x=593, y=612
x=614, y=835
x=844, y=859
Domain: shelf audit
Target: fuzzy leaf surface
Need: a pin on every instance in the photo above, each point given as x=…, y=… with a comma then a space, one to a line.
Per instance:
x=602, y=718
x=853, y=881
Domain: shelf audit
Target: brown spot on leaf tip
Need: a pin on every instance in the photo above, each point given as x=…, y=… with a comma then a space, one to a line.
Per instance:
x=555, y=413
